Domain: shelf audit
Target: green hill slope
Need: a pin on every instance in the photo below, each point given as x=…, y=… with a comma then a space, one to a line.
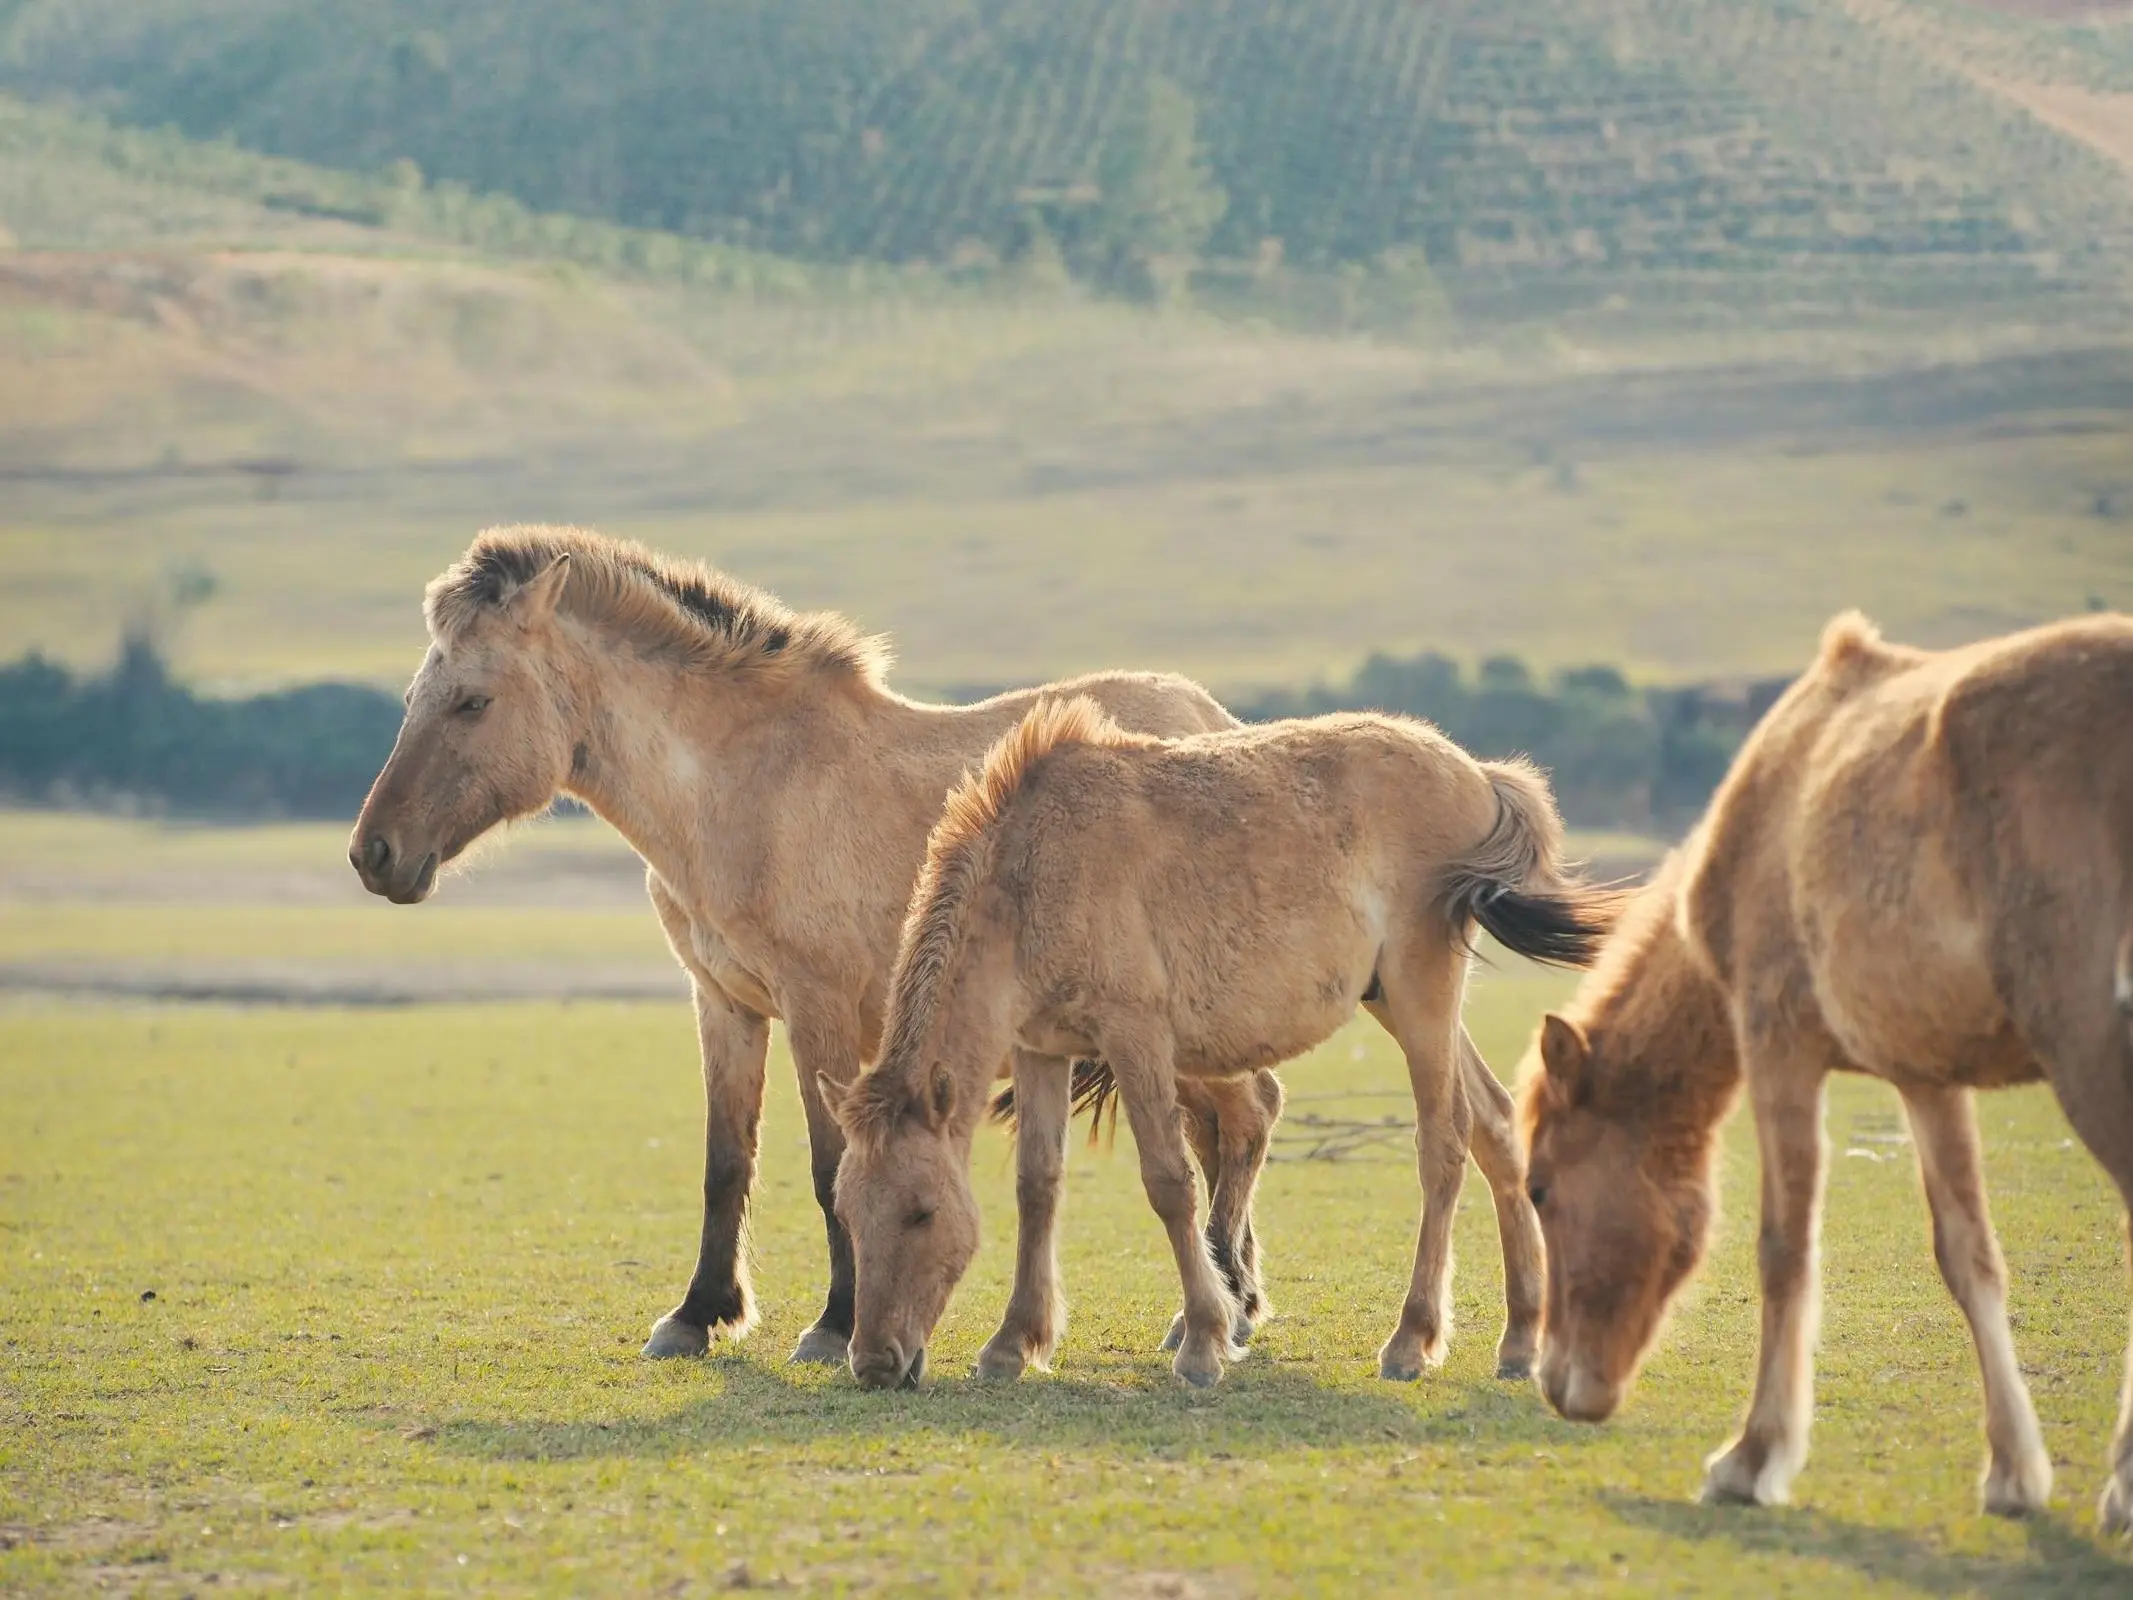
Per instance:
x=1769, y=160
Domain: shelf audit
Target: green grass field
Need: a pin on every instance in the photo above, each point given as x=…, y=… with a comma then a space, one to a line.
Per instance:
x=401, y=1263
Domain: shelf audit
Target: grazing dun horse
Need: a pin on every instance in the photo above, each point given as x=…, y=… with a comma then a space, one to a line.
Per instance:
x=1920, y=867
x=780, y=794
x=1186, y=910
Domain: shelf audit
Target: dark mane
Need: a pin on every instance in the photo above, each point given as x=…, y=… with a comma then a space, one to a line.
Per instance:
x=710, y=619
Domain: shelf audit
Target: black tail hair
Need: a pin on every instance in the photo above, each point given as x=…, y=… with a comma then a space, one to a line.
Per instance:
x=1093, y=1089
x=1564, y=928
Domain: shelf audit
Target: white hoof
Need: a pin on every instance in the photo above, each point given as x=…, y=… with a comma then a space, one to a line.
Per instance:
x=2115, y=1510
x=1733, y=1477
x=2018, y=1488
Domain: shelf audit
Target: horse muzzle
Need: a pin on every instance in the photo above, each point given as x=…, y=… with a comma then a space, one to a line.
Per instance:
x=887, y=1368
x=1578, y=1394
x=384, y=871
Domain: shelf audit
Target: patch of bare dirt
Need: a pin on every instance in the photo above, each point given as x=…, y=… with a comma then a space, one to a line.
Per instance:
x=340, y=983
x=2058, y=10
x=2103, y=122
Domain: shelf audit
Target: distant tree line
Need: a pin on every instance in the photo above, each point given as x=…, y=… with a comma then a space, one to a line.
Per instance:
x=136, y=736
x=1644, y=760
x=1621, y=757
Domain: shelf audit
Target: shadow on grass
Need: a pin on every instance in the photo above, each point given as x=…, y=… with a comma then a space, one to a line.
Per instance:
x=1267, y=1411
x=2060, y=1560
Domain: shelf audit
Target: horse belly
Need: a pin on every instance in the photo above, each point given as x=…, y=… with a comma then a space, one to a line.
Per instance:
x=1913, y=999
x=1281, y=1022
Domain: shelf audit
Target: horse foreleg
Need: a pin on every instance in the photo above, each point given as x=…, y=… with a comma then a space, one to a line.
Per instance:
x=1202, y=1126
x=735, y=1044
x=1147, y=1083
x=1759, y=1465
x=826, y=1044
x=1229, y=1123
x=1422, y=1005
x=1036, y=1312
x=1503, y=1164
x=2018, y=1478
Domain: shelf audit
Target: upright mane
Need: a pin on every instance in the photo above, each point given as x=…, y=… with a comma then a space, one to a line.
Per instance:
x=958, y=854
x=1658, y=1023
x=682, y=608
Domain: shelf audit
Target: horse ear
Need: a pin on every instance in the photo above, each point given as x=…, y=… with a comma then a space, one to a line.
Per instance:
x=535, y=600
x=940, y=1097
x=1564, y=1051
x=832, y=1094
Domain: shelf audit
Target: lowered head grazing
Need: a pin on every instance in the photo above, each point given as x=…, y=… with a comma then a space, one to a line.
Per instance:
x=1620, y=1113
x=1623, y=1232
x=904, y=1195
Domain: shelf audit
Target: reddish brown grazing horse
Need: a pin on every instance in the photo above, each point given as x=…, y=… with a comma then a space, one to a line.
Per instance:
x=1920, y=867
x=780, y=793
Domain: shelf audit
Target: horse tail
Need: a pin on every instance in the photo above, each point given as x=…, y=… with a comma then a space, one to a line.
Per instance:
x=1093, y=1089
x=1517, y=885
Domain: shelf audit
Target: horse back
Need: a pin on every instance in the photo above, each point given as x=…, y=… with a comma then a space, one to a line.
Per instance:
x=1901, y=823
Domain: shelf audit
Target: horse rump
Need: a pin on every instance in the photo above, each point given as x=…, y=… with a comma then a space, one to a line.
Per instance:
x=1517, y=885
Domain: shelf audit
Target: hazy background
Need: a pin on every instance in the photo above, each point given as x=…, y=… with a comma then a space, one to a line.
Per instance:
x=1332, y=351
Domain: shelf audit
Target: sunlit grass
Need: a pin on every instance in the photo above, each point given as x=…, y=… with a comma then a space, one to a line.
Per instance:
x=402, y=1262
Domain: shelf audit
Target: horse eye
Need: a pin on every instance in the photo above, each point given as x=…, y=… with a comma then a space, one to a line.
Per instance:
x=918, y=1219
x=1538, y=1194
x=473, y=705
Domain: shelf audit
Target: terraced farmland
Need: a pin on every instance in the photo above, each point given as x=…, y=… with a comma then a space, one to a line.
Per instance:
x=1780, y=160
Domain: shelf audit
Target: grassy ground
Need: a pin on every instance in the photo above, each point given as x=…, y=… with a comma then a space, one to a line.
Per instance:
x=401, y=1263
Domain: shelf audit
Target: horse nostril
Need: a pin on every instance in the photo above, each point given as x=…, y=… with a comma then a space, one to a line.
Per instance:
x=377, y=853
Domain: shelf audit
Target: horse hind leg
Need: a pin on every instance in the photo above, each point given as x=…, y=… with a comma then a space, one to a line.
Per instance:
x=1147, y=1083
x=1421, y=1006
x=2018, y=1476
x=2088, y=1056
x=1503, y=1164
x=1229, y=1122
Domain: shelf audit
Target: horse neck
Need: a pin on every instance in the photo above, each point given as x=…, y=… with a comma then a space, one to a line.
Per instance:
x=671, y=758
x=972, y=1026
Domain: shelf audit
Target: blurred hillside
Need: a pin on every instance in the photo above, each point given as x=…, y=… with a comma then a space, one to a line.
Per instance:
x=313, y=382
x=1780, y=161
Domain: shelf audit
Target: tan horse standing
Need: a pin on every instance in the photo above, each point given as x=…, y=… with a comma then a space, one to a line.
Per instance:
x=1186, y=910
x=1920, y=866
x=780, y=794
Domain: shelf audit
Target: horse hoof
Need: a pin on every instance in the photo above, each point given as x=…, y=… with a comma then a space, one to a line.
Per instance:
x=2114, y=1511
x=672, y=1337
x=1198, y=1376
x=1394, y=1370
x=1002, y=1363
x=1241, y=1331
x=1732, y=1478
x=821, y=1347
x=1514, y=1368
x=1176, y=1335
x=2019, y=1489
